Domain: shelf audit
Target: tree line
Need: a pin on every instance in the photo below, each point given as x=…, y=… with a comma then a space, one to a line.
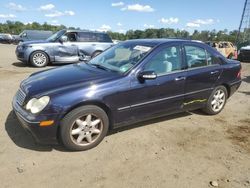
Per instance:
x=16, y=27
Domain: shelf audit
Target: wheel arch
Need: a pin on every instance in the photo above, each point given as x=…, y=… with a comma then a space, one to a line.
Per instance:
x=228, y=89
x=98, y=50
x=99, y=104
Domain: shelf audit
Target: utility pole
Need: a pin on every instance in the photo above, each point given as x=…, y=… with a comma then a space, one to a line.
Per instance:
x=243, y=35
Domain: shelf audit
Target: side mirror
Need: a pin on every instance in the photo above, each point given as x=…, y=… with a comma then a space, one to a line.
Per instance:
x=63, y=39
x=147, y=75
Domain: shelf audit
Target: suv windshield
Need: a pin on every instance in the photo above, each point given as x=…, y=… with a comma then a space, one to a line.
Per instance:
x=121, y=58
x=55, y=36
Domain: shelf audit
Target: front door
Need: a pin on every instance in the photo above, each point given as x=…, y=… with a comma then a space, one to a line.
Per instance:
x=164, y=94
x=67, y=51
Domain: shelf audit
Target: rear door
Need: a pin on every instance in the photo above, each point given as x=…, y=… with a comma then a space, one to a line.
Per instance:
x=203, y=71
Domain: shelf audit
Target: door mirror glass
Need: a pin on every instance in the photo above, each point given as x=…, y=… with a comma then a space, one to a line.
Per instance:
x=63, y=39
x=147, y=75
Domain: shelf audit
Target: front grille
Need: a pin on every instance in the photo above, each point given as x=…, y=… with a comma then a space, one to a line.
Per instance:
x=20, y=97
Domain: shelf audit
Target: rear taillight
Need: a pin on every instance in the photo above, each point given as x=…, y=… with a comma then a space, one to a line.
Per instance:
x=239, y=74
x=235, y=54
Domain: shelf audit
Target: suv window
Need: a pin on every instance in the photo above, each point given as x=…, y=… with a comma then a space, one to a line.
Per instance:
x=195, y=56
x=71, y=37
x=103, y=37
x=86, y=37
x=165, y=61
x=93, y=37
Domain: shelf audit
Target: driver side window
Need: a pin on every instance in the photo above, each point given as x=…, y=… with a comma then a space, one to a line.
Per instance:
x=165, y=61
x=195, y=56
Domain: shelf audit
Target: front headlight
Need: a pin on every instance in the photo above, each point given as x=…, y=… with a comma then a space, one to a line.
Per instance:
x=37, y=105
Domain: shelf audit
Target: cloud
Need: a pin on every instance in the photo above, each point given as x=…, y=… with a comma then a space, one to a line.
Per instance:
x=148, y=26
x=57, y=13
x=104, y=28
x=191, y=24
x=119, y=24
x=47, y=7
x=204, y=22
x=69, y=12
x=199, y=22
x=118, y=4
x=15, y=7
x=138, y=8
x=170, y=20
x=54, y=23
x=7, y=16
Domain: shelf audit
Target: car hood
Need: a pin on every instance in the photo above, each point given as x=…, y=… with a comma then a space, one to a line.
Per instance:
x=70, y=76
x=34, y=42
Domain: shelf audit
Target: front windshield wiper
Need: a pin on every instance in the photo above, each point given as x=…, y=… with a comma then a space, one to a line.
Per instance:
x=100, y=66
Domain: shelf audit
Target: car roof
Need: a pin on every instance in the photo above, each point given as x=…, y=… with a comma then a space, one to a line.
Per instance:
x=154, y=42
x=86, y=31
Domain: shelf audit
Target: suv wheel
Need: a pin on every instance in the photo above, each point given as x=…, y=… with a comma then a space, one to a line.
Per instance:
x=216, y=101
x=39, y=59
x=84, y=128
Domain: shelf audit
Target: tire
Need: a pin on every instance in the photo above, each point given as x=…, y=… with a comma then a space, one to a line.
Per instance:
x=84, y=128
x=96, y=54
x=39, y=59
x=216, y=101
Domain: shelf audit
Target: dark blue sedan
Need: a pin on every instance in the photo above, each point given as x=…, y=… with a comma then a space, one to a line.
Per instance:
x=133, y=81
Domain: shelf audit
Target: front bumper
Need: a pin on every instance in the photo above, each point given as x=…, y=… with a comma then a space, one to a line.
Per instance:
x=31, y=123
x=21, y=56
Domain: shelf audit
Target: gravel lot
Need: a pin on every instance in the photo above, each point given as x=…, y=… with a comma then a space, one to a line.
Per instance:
x=185, y=150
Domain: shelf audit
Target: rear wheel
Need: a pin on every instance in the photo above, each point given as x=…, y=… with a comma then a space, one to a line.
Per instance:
x=39, y=59
x=216, y=101
x=84, y=128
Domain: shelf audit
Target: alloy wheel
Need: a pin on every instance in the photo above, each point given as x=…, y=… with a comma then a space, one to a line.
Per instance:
x=39, y=59
x=86, y=130
x=218, y=100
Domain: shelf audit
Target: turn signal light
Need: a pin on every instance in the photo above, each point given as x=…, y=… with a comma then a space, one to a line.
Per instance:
x=46, y=123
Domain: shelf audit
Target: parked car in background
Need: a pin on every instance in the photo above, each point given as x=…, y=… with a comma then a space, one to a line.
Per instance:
x=6, y=38
x=225, y=48
x=65, y=46
x=33, y=35
x=244, y=54
x=130, y=82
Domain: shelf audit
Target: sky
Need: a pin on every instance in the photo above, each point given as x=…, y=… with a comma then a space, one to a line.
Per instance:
x=123, y=15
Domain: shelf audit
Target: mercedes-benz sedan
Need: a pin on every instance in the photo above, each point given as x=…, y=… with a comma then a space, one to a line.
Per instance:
x=133, y=81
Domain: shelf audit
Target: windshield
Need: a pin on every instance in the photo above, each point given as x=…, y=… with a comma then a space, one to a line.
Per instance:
x=121, y=58
x=55, y=36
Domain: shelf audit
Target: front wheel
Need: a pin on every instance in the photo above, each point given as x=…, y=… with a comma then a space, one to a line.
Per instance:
x=39, y=59
x=216, y=101
x=84, y=128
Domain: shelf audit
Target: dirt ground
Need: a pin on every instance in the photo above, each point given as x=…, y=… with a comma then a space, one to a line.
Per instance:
x=185, y=150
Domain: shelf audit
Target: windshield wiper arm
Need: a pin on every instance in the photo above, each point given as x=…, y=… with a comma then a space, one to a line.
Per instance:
x=101, y=67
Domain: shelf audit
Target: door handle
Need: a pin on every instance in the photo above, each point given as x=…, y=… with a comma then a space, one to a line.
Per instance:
x=180, y=78
x=214, y=72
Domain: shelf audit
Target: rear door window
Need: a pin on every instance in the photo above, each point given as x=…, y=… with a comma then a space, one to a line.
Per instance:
x=86, y=37
x=102, y=37
x=195, y=56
